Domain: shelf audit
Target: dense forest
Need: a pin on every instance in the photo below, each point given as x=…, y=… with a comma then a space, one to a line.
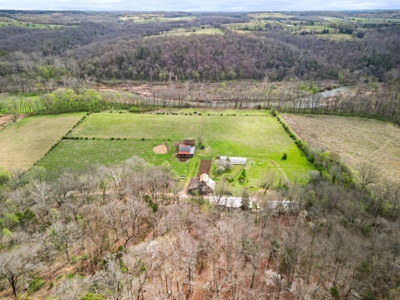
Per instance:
x=127, y=231
x=112, y=49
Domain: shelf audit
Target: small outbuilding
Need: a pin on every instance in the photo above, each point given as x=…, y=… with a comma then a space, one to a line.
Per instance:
x=235, y=160
x=194, y=185
x=203, y=184
x=231, y=202
x=186, y=149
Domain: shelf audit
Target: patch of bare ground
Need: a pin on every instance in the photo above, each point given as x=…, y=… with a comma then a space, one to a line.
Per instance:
x=160, y=149
x=143, y=89
x=356, y=140
x=7, y=119
x=4, y=120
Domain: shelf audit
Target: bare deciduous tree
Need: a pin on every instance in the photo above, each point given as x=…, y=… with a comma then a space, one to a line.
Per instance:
x=17, y=263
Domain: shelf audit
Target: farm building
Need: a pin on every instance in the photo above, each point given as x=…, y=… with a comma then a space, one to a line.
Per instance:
x=186, y=149
x=203, y=184
x=194, y=184
x=234, y=202
x=231, y=202
x=207, y=182
x=235, y=160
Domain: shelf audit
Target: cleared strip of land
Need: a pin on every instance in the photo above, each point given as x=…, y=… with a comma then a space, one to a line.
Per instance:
x=28, y=140
x=356, y=140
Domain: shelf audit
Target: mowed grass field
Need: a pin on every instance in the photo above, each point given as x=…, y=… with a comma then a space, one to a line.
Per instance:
x=357, y=140
x=257, y=136
x=75, y=154
x=27, y=141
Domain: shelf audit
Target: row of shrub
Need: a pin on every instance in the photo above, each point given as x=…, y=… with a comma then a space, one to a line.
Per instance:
x=142, y=109
x=287, y=129
x=324, y=162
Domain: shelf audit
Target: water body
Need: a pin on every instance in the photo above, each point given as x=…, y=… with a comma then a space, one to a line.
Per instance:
x=334, y=92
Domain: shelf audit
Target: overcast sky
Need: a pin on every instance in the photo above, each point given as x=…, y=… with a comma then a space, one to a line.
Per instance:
x=200, y=5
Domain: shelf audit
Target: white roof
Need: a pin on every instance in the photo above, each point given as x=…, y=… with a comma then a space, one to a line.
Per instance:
x=235, y=160
x=209, y=182
x=192, y=150
x=234, y=202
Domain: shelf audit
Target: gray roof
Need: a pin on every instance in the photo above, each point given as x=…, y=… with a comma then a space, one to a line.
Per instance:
x=184, y=148
x=194, y=183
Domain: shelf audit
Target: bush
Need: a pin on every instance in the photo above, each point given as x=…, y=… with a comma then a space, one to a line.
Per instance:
x=35, y=285
x=334, y=293
x=90, y=296
x=112, y=139
x=284, y=156
x=135, y=110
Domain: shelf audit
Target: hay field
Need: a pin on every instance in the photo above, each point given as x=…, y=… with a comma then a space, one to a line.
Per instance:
x=27, y=141
x=258, y=136
x=357, y=140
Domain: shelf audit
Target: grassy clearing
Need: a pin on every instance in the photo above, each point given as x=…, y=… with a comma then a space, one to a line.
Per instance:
x=270, y=15
x=31, y=25
x=148, y=18
x=357, y=140
x=257, y=136
x=28, y=140
x=183, y=31
x=336, y=36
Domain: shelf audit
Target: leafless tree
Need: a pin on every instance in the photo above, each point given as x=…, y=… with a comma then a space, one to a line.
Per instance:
x=368, y=174
x=17, y=263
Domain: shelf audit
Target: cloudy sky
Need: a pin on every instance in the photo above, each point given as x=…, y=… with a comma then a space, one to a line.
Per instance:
x=200, y=5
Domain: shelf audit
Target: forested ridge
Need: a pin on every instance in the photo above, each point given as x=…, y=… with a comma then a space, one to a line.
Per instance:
x=123, y=50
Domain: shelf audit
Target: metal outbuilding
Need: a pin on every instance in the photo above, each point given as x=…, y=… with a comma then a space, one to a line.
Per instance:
x=235, y=160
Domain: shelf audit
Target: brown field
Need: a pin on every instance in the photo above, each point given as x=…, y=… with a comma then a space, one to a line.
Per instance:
x=28, y=140
x=205, y=167
x=357, y=140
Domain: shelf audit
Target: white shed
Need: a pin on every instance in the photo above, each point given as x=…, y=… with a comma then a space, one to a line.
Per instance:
x=235, y=160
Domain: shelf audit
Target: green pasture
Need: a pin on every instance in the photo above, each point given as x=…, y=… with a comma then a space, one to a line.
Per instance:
x=75, y=154
x=256, y=135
